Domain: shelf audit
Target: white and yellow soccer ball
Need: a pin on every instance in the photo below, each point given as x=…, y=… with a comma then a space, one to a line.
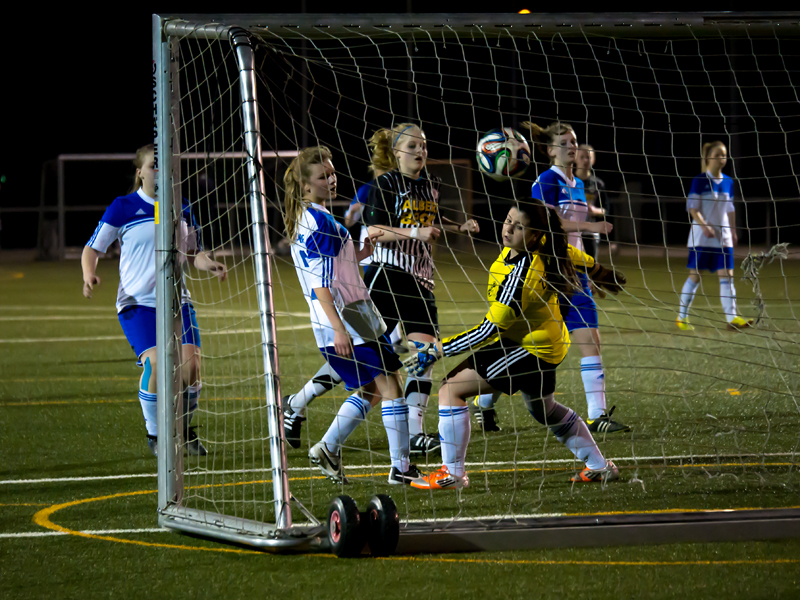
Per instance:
x=503, y=153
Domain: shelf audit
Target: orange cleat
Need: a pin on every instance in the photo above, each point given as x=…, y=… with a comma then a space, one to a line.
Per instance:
x=609, y=473
x=441, y=480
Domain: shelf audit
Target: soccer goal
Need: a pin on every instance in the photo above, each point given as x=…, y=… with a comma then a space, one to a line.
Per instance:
x=712, y=449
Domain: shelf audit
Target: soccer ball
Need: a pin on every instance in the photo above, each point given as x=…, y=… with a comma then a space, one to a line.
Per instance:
x=503, y=153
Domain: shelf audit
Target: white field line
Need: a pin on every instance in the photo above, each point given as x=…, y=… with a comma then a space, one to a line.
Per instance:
x=103, y=338
x=35, y=534
x=382, y=467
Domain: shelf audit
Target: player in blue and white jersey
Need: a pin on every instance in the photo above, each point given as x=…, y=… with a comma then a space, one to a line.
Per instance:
x=131, y=220
x=713, y=236
x=562, y=191
x=347, y=327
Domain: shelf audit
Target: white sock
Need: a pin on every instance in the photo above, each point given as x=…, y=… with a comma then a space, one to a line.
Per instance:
x=324, y=381
x=191, y=396
x=727, y=293
x=396, y=335
x=149, y=410
x=351, y=414
x=594, y=384
x=687, y=296
x=454, y=431
x=573, y=433
x=417, y=392
x=488, y=400
x=395, y=420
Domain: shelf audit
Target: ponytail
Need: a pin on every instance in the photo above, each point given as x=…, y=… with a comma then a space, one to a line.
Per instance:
x=559, y=272
x=543, y=137
x=382, y=145
x=297, y=173
x=138, y=163
x=707, y=148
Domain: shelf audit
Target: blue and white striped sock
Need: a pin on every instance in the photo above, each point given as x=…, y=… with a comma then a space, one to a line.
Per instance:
x=351, y=414
x=395, y=420
x=454, y=432
x=594, y=384
x=149, y=410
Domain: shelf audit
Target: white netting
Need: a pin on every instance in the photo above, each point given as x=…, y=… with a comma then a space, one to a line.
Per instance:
x=714, y=413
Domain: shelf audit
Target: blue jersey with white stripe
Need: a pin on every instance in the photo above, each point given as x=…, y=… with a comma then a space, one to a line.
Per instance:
x=324, y=257
x=713, y=197
x=131, y=220
x=565, y=195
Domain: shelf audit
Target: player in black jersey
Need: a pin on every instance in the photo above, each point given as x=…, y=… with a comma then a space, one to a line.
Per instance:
x=403, y=204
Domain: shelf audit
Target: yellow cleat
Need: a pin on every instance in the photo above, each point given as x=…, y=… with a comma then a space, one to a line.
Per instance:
x=739, y=323
x=683, y=324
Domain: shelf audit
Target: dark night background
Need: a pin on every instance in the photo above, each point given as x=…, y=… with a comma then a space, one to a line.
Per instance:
x=71, y=87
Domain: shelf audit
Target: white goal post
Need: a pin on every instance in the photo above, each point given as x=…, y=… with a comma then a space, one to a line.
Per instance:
x=208, y=72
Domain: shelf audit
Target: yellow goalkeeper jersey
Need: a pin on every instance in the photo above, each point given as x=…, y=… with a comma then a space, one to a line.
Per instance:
x=521, y=308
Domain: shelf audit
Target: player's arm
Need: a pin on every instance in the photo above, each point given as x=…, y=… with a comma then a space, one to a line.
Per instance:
x=603, y=277
x=341, y=339
x=469, y=226
x=586, y=226
x=203, y=262
x=89, y=266
x=353, y=214
x=698, y=217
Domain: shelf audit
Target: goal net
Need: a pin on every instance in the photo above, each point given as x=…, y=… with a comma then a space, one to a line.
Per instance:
x=713, y=411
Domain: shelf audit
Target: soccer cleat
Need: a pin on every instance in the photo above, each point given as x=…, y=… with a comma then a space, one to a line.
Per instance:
x=609, y=473
x=194, y=447
x=152, y=443
x=291, y=425
x=411, y=475
x=605, y=424
x=423, y=443
x=739, y=323
x=441, y=480
x=683, y=324
x=486, y=418
x=330, y=464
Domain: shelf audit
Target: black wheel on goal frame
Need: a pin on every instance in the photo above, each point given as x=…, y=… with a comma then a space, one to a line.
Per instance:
x=384, y=525
x=345, y=531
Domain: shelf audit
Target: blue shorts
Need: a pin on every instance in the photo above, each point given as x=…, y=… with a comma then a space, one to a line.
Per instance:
x=579, y=311
x=702, y=258
x=139, y=325
x=368, y=361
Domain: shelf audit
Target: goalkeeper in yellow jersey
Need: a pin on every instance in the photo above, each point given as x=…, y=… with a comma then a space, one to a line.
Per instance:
x=518, y=345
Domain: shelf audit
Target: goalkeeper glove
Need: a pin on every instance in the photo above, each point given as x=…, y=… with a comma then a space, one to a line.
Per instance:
x=427, y=353
x=603, y=277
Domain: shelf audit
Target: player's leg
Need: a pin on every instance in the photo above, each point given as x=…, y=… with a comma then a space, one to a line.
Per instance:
x=294, y=405
x=454, y=427
x=580, y=317
x=139, y=325
x=727, y=293
x=689, y=291
x=569, y=429
x=191, y=358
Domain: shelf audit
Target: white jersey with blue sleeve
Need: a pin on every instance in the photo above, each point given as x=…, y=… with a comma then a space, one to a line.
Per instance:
x=565, y=195
x=131, y=220
x=324, y=257
x=713, y=197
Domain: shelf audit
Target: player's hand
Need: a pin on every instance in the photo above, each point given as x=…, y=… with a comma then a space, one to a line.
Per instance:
x=601, y=227
x=428, y=234
x=735, y=238
x=88, y=285
x=218, y=270
x=426, y=354
x=471, y=226
x=608, y=279
x=342, y=344
x=368, y=249
x=708, y=231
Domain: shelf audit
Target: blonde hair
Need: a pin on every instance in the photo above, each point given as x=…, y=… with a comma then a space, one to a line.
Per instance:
x=138, y=162
x=382, y=145
x=298, y=173
x=543, y=136
x=587, y=147
x=707, y=148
